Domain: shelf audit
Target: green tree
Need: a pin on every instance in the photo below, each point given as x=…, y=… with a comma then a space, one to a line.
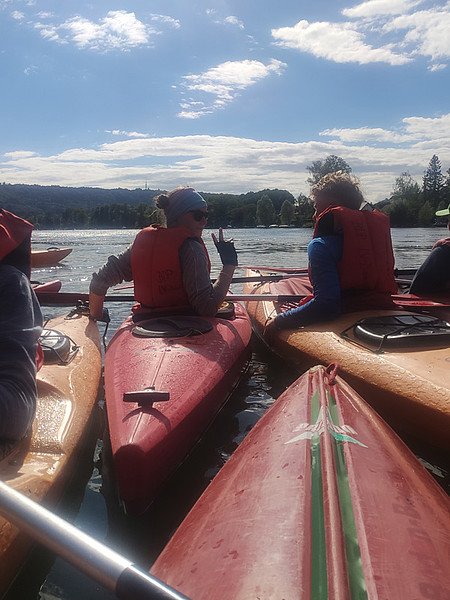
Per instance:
x=425, y=216
x=287, y=213
x=433, y=182
x=406, y=188
x=332, y=163
x=305, y=211
x=265, y=211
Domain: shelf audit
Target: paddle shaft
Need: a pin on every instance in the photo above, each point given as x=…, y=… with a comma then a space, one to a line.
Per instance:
x=71, y=299
x=400, y=299
x=101, y=563
x=294, y=271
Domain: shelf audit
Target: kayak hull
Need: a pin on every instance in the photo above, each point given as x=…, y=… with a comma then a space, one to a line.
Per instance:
x=42, y=464
x=408, y=386
x=49, y=287
x=321, y=500
x=198, y=373
x=48, y=258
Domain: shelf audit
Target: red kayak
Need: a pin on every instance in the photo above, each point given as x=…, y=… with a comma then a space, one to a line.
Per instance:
x=50, y=287
x=165, y=380
x=49, y=257
x=321, y=500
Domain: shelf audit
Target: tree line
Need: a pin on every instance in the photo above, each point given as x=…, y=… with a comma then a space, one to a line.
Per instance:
x=409, y=204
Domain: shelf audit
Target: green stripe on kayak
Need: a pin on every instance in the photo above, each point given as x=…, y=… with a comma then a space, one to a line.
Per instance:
x=319, y=582
x=358, y=590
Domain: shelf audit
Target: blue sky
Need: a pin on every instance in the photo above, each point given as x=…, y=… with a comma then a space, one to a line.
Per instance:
x=226, y=96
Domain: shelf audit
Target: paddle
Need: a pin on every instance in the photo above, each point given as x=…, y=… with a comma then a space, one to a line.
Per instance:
x=71, y=299
x=399, y=299
x=293, y=271
x=98, y=561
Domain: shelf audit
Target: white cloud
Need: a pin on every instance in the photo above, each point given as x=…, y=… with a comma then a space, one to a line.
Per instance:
x=31, y=70
x=235, y=165
x=339, y=42
x=231, y=20
x=373, y=8
x=437, y=67
x=411, y=33
x=130, y=134
x=224, y=83
x=365, y=134
x=118, y=30
x=427, y=31
x=166, y=20
x=412, y=130
x=17, y=15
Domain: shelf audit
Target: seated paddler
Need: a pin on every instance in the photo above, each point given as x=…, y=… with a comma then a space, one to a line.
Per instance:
x=20, y=328
x=350, y=258
x=433, y=276
x=170, y=266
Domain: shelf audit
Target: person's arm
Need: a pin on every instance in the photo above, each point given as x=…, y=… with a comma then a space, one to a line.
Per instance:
x=204, y=297
x=433, y=276
x=113, y=272
x=20, y=327
x=324, y=255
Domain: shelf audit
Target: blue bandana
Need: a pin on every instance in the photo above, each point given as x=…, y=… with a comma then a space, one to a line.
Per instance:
x=183, y=201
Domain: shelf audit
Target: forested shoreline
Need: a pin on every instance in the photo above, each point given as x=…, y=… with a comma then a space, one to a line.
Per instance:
x=57, y=207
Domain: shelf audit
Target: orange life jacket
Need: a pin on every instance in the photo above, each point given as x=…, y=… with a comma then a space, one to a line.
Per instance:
x=158, y=281
x=367, y=260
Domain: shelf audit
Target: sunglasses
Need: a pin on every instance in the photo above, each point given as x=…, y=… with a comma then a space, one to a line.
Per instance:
x=199, y=215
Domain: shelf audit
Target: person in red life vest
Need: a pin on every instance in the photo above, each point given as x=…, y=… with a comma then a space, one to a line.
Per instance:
x=433, y=276
x=350, y=258
x=20, y=328
x=170, y=265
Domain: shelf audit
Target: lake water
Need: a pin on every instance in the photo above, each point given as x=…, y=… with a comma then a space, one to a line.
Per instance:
x=92, y=502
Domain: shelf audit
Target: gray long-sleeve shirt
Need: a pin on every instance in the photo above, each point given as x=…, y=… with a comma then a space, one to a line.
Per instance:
x=204, y=297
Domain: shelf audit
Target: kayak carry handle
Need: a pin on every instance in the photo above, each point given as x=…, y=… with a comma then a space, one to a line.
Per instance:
x=146, y=397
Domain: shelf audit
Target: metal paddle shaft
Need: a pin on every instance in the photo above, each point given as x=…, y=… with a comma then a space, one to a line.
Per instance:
x=109, y=568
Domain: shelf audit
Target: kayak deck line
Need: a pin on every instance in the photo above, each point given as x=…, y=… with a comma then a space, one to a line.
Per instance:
x=335, y=544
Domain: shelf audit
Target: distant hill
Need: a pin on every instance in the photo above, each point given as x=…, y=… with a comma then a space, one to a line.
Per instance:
x=57, y=206
x=37, y=199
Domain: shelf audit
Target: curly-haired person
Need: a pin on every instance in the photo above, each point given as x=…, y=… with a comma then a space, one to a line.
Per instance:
x=350, y=258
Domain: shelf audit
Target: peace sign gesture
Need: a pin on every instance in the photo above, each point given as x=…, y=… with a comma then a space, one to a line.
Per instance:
x=226, y=249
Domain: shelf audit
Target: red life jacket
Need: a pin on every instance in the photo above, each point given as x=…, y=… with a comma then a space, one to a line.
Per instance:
x=443, y=242
x=158, y=281
x=367, y=260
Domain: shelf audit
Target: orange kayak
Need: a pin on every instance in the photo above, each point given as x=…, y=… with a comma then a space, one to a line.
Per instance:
x=48, y=258
x=321, y=500
x=405, y=378
x=41, y=465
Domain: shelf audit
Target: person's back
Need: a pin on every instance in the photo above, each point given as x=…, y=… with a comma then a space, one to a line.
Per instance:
x=20, y=327
x=350, y=257
x=433, y=276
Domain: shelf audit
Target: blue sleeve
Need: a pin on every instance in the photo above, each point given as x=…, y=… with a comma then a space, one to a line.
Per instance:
x=324, y=254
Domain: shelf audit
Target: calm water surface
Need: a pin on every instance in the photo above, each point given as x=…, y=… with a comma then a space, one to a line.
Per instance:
x=92, y=502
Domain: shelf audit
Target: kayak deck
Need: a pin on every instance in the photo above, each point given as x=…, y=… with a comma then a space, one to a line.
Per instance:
x=41, y=465
x=321, y=500
x=195, y=374
x=410, y=387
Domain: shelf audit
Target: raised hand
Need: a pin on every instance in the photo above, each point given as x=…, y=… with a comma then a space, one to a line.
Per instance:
x=226, y=249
